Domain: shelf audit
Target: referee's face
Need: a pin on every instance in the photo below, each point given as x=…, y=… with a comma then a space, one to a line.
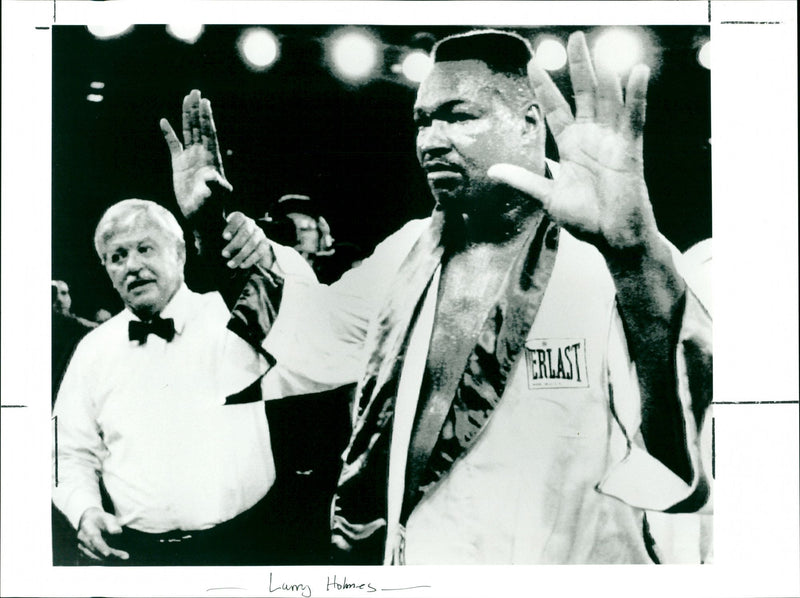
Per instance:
x=145, y=266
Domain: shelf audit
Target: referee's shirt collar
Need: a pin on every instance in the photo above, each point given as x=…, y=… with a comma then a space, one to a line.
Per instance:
x=177, y=309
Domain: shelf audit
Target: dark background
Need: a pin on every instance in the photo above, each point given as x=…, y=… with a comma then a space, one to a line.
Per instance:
x=297, y=129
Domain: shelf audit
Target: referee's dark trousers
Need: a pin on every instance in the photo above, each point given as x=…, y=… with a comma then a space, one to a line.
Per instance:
x=244, y=540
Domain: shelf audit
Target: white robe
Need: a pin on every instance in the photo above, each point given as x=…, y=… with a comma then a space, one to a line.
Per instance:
x=560, y=473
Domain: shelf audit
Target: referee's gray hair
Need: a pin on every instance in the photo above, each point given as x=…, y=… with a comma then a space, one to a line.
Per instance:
x=127, y=212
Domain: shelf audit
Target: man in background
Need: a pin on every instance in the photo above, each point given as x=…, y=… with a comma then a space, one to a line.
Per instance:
x=297, y=220
x=67, y=329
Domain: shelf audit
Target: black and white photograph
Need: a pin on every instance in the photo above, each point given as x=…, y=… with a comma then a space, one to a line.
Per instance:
x=511, y=420
x=331, y=302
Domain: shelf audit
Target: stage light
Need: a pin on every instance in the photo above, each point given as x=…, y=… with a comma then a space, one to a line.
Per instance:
x=186, y=32
x=550, y=54
x=618, y=49
x=94, y=97
x=353, y=54
x=704, y=55
x=258, y=47
x=109, y=30
x=97, y=85
x=416, y=66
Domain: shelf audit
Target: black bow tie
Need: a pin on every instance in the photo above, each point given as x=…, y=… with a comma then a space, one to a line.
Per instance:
x=163, y=327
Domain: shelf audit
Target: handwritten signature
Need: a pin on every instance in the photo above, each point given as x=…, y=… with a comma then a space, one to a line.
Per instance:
x=333, y=585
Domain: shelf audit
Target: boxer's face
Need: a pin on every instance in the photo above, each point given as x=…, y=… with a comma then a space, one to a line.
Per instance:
x=467, y=122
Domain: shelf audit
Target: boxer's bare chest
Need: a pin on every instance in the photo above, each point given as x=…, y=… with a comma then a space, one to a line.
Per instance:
x=471, y=283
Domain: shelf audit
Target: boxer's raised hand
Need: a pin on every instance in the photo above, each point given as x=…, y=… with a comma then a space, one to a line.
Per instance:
x=599, y=194
x=196, y=162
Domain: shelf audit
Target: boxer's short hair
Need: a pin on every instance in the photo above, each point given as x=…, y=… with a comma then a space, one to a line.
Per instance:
x=502, y=51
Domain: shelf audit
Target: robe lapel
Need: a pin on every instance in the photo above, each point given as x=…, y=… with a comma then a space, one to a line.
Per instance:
x=358, y=522
x=496, y=351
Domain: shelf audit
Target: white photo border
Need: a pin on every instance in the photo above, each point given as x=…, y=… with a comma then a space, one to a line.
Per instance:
x=754, y=124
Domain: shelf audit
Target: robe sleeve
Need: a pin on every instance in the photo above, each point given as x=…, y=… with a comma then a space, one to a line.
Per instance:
x=634, y=475
x=314, y=334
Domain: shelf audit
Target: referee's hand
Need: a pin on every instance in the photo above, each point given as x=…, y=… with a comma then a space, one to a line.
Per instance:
x=94, y=525
x=247, y=243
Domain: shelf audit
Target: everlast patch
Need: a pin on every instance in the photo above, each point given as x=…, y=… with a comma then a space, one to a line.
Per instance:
x=556, y=363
